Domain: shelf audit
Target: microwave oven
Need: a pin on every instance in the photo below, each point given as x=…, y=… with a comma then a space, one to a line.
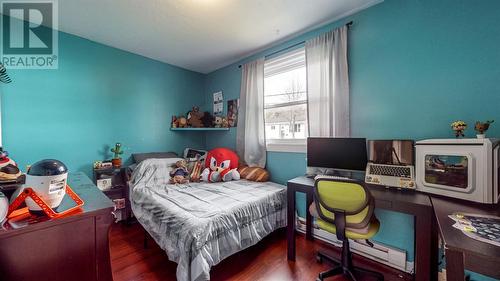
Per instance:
x=460, y=168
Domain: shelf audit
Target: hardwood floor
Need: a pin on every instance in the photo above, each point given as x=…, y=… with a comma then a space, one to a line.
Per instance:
x=265, y=261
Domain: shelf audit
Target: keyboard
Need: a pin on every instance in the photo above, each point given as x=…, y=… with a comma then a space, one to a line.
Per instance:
x=390, y=170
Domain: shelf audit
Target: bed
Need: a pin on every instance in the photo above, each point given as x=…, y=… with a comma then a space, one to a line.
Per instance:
x=200, y=224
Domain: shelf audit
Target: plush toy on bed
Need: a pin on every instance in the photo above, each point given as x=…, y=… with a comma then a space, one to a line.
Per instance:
x=180, y=173
x=221, y=165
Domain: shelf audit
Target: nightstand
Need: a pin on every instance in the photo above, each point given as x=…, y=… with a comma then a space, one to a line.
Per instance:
x=118, y=190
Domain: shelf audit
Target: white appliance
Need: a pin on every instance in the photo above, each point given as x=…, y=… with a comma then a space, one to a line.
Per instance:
x=460, y=168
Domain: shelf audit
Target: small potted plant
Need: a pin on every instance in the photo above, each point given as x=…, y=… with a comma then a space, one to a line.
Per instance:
x=482, y=127
x=459, y=127
x=117, y=160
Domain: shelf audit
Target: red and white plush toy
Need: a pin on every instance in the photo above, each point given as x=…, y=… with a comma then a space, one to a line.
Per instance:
x=221, y=165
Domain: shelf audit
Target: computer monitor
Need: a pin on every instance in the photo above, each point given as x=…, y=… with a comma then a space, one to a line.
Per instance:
x=391, y=152
x=337, y=153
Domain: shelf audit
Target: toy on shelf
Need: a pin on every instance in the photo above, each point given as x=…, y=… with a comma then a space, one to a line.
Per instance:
x=8, y=168
x=207, y=119
x=221, y=164
x=459, y=127
x=194, y=118
x=181, y=122
x=173, y=124
x=180, y=173
x=225, y=123
x=218, y=122
x=117, y=160
x=482, y=127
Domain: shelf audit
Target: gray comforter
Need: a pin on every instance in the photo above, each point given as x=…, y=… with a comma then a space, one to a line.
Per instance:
x=200, y=224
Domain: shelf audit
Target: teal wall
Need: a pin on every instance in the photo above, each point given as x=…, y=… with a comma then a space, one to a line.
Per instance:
x=98, y=96
x=415, y=66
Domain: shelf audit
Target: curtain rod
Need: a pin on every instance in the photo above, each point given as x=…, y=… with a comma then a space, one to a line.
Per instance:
x=294, y=45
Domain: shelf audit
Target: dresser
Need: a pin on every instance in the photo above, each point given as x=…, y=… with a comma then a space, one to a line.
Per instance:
x=70, y=248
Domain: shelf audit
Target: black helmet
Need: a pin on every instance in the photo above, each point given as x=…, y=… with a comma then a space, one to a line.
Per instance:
x=47, y=167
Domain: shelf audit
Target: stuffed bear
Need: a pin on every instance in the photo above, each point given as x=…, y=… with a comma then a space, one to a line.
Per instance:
x=218, y=122
x=180, y=122
x=180, y=173
x=194, y=118
x=207, y=120
x=221, y=164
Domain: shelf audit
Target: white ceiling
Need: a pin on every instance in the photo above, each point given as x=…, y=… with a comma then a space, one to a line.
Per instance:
x=200, y=35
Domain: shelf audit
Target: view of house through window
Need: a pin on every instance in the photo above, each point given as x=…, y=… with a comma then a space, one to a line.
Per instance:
x=285, y=99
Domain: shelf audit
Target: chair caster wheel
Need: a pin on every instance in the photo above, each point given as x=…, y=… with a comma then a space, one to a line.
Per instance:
x=319, y=259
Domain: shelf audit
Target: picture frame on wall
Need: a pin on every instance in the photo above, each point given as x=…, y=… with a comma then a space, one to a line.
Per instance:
x=233, y=107
x=218, y=103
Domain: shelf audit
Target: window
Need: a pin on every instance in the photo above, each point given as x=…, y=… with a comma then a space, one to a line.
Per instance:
x=285, y=102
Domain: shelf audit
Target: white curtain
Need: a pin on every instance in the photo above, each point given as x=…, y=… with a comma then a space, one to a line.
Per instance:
x=250, y=139
x=328, y=84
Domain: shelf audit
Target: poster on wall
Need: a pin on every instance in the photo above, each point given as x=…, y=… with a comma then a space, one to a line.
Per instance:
x=233, y=107
x=218, y=103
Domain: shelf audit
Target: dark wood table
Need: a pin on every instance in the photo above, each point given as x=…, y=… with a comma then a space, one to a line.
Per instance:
x=404, y=201
x=461, y=251
x=75, y=247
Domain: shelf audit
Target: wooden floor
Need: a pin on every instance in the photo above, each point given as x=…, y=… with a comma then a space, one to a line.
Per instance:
x=265, y=261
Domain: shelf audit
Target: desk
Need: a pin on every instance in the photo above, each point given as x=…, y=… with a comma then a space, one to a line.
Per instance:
x=404, y=201
x=75, y=247
x=461, y=251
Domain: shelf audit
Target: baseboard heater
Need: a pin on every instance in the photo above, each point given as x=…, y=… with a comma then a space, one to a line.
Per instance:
x=387, y=255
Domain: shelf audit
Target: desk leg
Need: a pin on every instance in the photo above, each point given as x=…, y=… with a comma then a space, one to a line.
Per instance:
x=290, y=227
x=434, y=249
x=423, y=247
x=309, y=219
x=454, y=265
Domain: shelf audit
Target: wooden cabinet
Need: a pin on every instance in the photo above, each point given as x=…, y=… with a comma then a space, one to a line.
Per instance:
x=71, y=248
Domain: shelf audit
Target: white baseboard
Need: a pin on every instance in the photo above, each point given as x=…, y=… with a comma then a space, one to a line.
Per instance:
x=384, y=254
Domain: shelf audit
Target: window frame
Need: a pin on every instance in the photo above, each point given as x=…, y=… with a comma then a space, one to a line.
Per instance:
x=298, y=145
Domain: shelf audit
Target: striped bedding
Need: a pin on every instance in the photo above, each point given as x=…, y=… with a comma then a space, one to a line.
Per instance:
x=200, y=224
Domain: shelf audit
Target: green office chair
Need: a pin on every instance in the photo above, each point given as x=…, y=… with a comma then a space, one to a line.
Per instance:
x=345, y=208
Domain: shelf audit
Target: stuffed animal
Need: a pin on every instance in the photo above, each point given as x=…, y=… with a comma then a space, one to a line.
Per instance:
x=8, y=168
x=207, y=120
x=180, y=173
x=194, y=118
x=174, y=121
x=253, y=173
x=181, y=122
x=218, y=122
x=225, y=123
x=221, y=165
